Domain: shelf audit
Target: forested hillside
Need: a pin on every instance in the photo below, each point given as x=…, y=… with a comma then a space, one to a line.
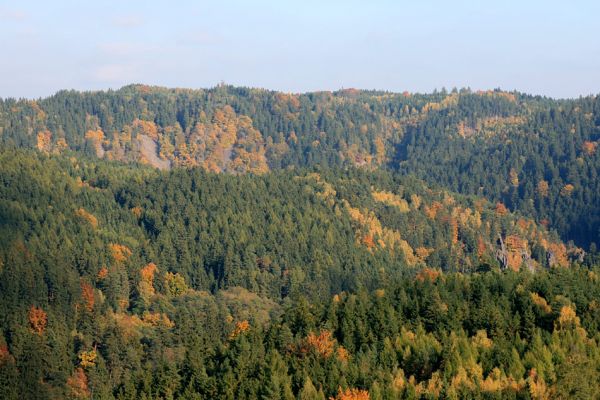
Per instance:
x=126, y=281
x=533, y=154
x=245, y=244
x=288, y=232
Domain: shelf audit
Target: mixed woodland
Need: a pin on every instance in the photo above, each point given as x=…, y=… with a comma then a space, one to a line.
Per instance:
x=239, y=243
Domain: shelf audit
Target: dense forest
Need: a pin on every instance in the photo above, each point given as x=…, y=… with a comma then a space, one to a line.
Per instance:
x=239, y=243
x=130, y=282
x=533, y=154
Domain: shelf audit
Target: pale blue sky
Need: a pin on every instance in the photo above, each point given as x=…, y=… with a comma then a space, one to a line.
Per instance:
x=541, y=47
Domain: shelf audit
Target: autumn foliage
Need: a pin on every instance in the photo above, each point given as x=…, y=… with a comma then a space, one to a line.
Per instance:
x=148, y=272
x=368, y=241
x=227, y=143
x=423, y=252
x=322, y=344
x=391, y=199
x=87, y=359
x=542, y=188
x=137, y=211
x=558, y=254
x=274, y=249
x=431, y=211
x=501, y=209
x=87, y=294
x=514, y=178
x=568, y=318
x=96, y=137
x=103, y=273
x=516, y=247
x=4, y=353
x=240, y=328
x=342, y=354
x=428, y=274
x=146, y=285
x=567, y=190
x=538, y=388
x=371, y=233
x=147, y=128
x=77, y=384
x=37, y=320
x=157, y=319
x=454, y=230
x=481, y=247
x=44, y=140
x=589, y=148
x=119, y=252
x=351, y=394
x=540, y=302
x=86, y=216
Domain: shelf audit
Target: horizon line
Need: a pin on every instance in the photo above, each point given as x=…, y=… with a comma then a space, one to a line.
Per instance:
x=441, y=90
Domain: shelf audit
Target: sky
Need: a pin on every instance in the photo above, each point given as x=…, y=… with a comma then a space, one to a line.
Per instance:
x=550, y=48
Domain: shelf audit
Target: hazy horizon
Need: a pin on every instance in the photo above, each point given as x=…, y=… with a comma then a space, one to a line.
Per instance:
x=114, y=89
x=539, y=48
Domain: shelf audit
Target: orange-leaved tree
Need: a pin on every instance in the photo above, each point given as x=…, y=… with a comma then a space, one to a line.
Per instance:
x=351, y=394
x=37, y=320
x=77, y=384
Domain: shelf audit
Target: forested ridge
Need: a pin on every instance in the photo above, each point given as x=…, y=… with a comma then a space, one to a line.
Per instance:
x=246, y=244
x=533, y=154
